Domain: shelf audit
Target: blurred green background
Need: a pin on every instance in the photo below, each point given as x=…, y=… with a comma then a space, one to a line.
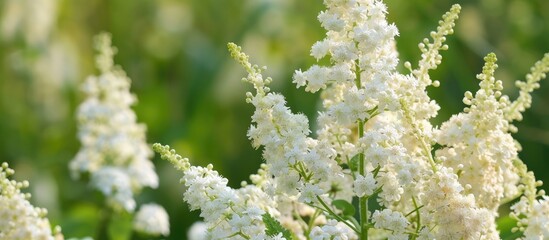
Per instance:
x=189, y=90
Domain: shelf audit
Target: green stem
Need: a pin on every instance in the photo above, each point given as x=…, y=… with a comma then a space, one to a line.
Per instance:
x=333, y=214
x=418, y=218
x=341, y=146
x=103, y=226
x=239, y=233
x=426, y=148
x=312, y=222
x=363, y=201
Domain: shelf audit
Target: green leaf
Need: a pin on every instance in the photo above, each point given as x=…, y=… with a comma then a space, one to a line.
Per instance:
x=80, y=220
x=274, y=228
x=353, y=221
x=504, y=225
x=354, y=162
x=347, y=208
x=120, y=226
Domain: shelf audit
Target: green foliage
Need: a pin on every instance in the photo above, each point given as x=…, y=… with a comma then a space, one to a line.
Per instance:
x=120, y=227
x=274, y=228
x=347, y=209
x=353, y=163
x=78, y=221
x=505, y=226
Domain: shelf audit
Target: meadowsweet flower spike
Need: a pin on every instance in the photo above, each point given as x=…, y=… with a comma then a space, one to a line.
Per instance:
x=19, y=219
x=479, y=137
x=105, y=59
x=180, y=163
x=114, y=151
x=374, y=142
x=537, y=72
x=254, y=71
x=229, y=213
x=430, y=56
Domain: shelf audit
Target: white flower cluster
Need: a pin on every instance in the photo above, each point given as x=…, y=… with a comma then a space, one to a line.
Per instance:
x=531, y=212
x=19, y=219
x=375, y=142
x=114, y=152
x=537, y=223
x=229, y=213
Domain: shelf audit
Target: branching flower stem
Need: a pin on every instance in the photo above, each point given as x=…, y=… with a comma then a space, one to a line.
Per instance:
x=327, y=209
x=426, y=148
x=418, y=217
x=104, y=221
x=363, y=201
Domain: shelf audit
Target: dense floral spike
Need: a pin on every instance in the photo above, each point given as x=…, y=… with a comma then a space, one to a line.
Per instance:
x=19, y=219
x=417, y=107
x=114, y=151
x=375, y=142
x=537, y=72
x=229, y=213
x=479, y=137
x=430, y=56
x=288, y=150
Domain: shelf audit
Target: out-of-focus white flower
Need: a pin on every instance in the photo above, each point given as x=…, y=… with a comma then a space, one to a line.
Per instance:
x=19, y=219
x=198, y=231
x=115, y=183
x=33, y=19
x=152, y=219
x=113, y=143
x=48, y=59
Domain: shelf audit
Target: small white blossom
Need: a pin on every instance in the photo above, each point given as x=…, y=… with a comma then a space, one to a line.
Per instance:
x=344, y=51
x=331, y=21
x=364, y=185
x=309, y=193
x=388, y=219
x=320, y=49
x=315, y=77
